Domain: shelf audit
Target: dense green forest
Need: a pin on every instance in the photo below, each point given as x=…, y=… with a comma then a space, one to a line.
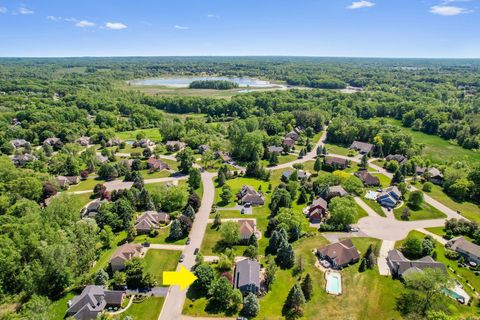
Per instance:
x=46, y=249
x=213, y=84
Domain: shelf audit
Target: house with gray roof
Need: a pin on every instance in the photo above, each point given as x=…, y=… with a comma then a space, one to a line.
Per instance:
x=336, y=191
x=301, y=174
x=367, y=178
x=401, y=159
x=151, y=220
x=389, y=197
x=274, y=149
x=467, y=249
x=246, y=277
x=19, y=143
x=249, y=195
x=92, y=301
x=399, y=265
x=125, y=253
x=431, y=174
x=175, y=145
x=361, y=147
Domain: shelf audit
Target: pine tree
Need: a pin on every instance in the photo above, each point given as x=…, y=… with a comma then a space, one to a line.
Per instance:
x=252, y=241
x=303, y=197
x=318, y=165
x=295, y=301
x=221, y=179
x=307, y=287
x=319, y=151
x=251, y=306
x=364, y=162
x=217, y=221
x=189, y=212
x=398, y=177
x=176, y=231
x=324, y=150
x=285, y=255
x=273, y=160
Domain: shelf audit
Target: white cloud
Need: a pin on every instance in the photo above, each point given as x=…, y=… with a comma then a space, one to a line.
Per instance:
x=85, y=24
x=115, y=26
x=24, y=10
x=53, y=18
x=181, y=27
x=213, y=16
x=3, y=10
x=361, y=4
x=448, y=10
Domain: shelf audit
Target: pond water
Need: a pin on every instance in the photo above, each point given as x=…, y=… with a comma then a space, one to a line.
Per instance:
x=184, y=82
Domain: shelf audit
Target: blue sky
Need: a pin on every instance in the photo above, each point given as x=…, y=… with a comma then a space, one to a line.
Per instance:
x=373, y=28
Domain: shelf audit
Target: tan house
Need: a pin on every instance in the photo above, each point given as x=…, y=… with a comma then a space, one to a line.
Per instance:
x=247, y=228
x=124, y=254
x=250, y=196
x=151, y=220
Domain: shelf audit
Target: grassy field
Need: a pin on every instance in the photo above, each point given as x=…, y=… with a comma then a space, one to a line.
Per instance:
x=87, y=184
x=438, y=149
x=425, y=212
x=440, y=231
x=152, y=134
x=375, y=206
x=332, y=148
x=157, y=261
x=154, y=175
x=148, y=309
x=469, y=210
x=384, y=180
x=59, y=306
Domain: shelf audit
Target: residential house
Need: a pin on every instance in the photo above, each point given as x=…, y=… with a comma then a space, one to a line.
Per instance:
x=336, y=191
x=400, y=266
x=19, y=143
x=151, y=220
x=368, y=179
x=339, y=254
x=431, y=174
x=249, y=195
x=335, y=163
x=155, y=164
x=389, y=197
x=224, y=156
x=301, y=174
x=92, y=301
x=246, y=276
x=274, y=149
x=469, y=250
x=401, y=159
x=23, y=159
x=91, y=210
x=114, y=142
x=65, y=181
x=361, y=147
x=289, y=142
x=247, y=228
x=293, y=135
x=83, y=141
x=101, y=159
x=123, y=254
x=318, y=210
x=52, y=141
x=175, y=145
x=144, y=143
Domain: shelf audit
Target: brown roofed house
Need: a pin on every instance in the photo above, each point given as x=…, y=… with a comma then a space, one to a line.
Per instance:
x=123, y=254
x=317, y=211
x=400, y=266
x=339, y=254
x=155, y=164
x=367, y=179
x=335, y=163
x=336, y=191
x=247, y=228
x=401, y=159
x=431, y=174
x=175, y=145
x=151, y=220
x=249, y=195
x=289, y=142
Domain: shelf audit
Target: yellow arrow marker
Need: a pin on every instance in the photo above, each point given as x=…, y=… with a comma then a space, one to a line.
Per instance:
x=182, y=278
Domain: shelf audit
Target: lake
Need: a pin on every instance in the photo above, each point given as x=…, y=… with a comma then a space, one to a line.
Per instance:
x=184, y=82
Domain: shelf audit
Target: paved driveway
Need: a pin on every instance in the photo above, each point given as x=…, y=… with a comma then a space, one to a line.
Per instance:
x=383, y=268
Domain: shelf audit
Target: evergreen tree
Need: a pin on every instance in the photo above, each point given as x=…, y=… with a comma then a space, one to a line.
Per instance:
x=251, y=306
x=319, y=151
x=217, y=221
x=318, y=165
x=176, y=230
x=273, y=160
x=194, y=178
x=364, y=162
x=285, y=255
x=189, y=212
x=398, y=177
x=303, y=197
x=307, y=287
x=252, y=241
x=295, y=301
x=221, y=179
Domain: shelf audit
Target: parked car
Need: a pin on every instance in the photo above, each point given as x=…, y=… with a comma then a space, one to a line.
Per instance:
x=354, y=229
x=196, y=251
x=146, y=244
x=181, y=258
x=247, y=204
x=188, y=241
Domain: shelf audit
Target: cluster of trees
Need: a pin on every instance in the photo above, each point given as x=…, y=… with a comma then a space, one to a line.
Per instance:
x=461, y=227
x=317, y=82
x=415, y=248
x=213, y=84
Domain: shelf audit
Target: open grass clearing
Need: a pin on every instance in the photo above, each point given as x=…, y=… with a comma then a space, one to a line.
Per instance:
x=158, y=261
x=426, y=211
x=147, y=309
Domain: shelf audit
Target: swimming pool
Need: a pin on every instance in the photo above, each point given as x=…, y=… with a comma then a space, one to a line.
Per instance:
x=334, y=283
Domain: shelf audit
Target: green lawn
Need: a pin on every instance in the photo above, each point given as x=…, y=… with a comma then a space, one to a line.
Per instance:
x=59, y=307
x=210, y=245
x=157, y=261
x=440, y=231
x=425, y=212
x=102, y=261
x=469, y=210
x=87, y=184
x=82, y=200
x=161, y=238
x=152, y=134
x=437, y=149
x=379, y=162
x=148, y=309
x=375, y=206
x=384, y=180
x=154, y=175
x=332, y=148
x=360, y=212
